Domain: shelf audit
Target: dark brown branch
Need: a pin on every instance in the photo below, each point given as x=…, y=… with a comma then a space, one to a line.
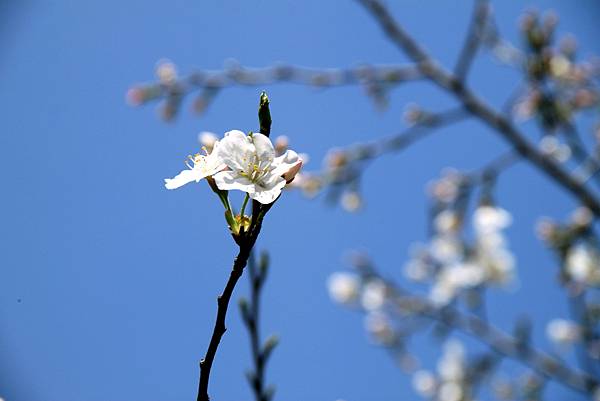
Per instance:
x=479, y=108
x=473, y=39
x=219, y=329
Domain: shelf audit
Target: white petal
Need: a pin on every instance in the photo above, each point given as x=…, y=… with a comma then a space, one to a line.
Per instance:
x=286, y=162
x=183, y=178
x=227, y=180
x=264, y=148
x=267, y=195
x=234, y=150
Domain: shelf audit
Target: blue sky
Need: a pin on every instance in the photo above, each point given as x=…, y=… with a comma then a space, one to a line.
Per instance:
x=108, y=281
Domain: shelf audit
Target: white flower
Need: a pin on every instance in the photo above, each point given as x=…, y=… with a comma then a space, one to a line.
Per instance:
x=166, y=72
x=424, y=383
x=488, y=219
x=203, y=166
x=446, y=221
x=417, y=270
x=343, y=287
x=451, y=365
x=442, y=293
x=450, y=391
x=446, y=248
x=253, y=167
x=378, y=325
x=373, y=296
x=581, y=264
x=351, y=201
x=551, y=146
x=562, y=332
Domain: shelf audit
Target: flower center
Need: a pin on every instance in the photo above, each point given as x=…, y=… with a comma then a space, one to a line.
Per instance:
x=256, y=169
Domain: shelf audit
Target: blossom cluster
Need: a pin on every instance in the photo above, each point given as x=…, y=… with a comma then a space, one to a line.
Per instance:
x=453, y=265
x=242, y=162
x=450, y=381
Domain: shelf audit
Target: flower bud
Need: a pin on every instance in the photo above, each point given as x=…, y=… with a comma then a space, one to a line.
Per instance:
x=281, y=144
x=166, y=72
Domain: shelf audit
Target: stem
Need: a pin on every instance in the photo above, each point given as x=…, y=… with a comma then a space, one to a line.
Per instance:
x=253, y=323
x=244, y=206
x=222, y=304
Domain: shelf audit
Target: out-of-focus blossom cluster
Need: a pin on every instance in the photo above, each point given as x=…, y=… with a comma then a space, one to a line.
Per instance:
x=451, y=381
x=558, y=86
x=340, y=175
x=453, y=265
x=576, y=246
x=389, y=319
x=372, y=295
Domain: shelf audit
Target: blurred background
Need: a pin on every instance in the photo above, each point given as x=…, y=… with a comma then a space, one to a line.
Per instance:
x=108, y=281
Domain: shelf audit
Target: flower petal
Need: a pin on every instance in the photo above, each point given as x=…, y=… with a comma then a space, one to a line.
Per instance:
x=227, y=180
x=264, y=148
x=287, y=164
x=234, y=150
x=267, y=195
x=183, y=178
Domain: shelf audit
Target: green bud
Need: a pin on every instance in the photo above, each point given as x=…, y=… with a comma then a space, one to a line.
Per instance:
x=264, y=114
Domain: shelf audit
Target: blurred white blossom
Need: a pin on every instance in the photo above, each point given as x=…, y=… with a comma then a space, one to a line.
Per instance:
x=418, y=268
x=166, y=72
x=378, y=325
x=424, y=383
x=351, y=201
x=582, y=264
x=207, y=140
x=562, y=332
x=446, y=248
x=343, y=287
x=551, y=146
x=446, y=221
x=373, y=295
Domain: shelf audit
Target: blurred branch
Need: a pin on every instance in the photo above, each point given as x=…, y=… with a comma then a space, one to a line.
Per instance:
x=505, y=344
x=478, y=107
x=172, y=89
x=251, y=316
x=426, y=124
x=473, y=39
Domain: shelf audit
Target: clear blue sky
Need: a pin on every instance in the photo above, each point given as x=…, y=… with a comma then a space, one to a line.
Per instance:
x=108, y=281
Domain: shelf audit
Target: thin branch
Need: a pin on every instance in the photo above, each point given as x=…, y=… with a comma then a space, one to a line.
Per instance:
x=473, y=39
x=222, y=304
x=478, y=107
x=498, y=165
x=497, y=340
x=402, y=140
x=251, y=317
x=210, y=82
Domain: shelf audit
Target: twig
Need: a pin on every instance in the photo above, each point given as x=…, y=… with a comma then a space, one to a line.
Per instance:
x=222, y=304
x=245, y=241
x=251, y=317
x=473, y=39
x=419, y=130
x=478, y=107
x=503, y=343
